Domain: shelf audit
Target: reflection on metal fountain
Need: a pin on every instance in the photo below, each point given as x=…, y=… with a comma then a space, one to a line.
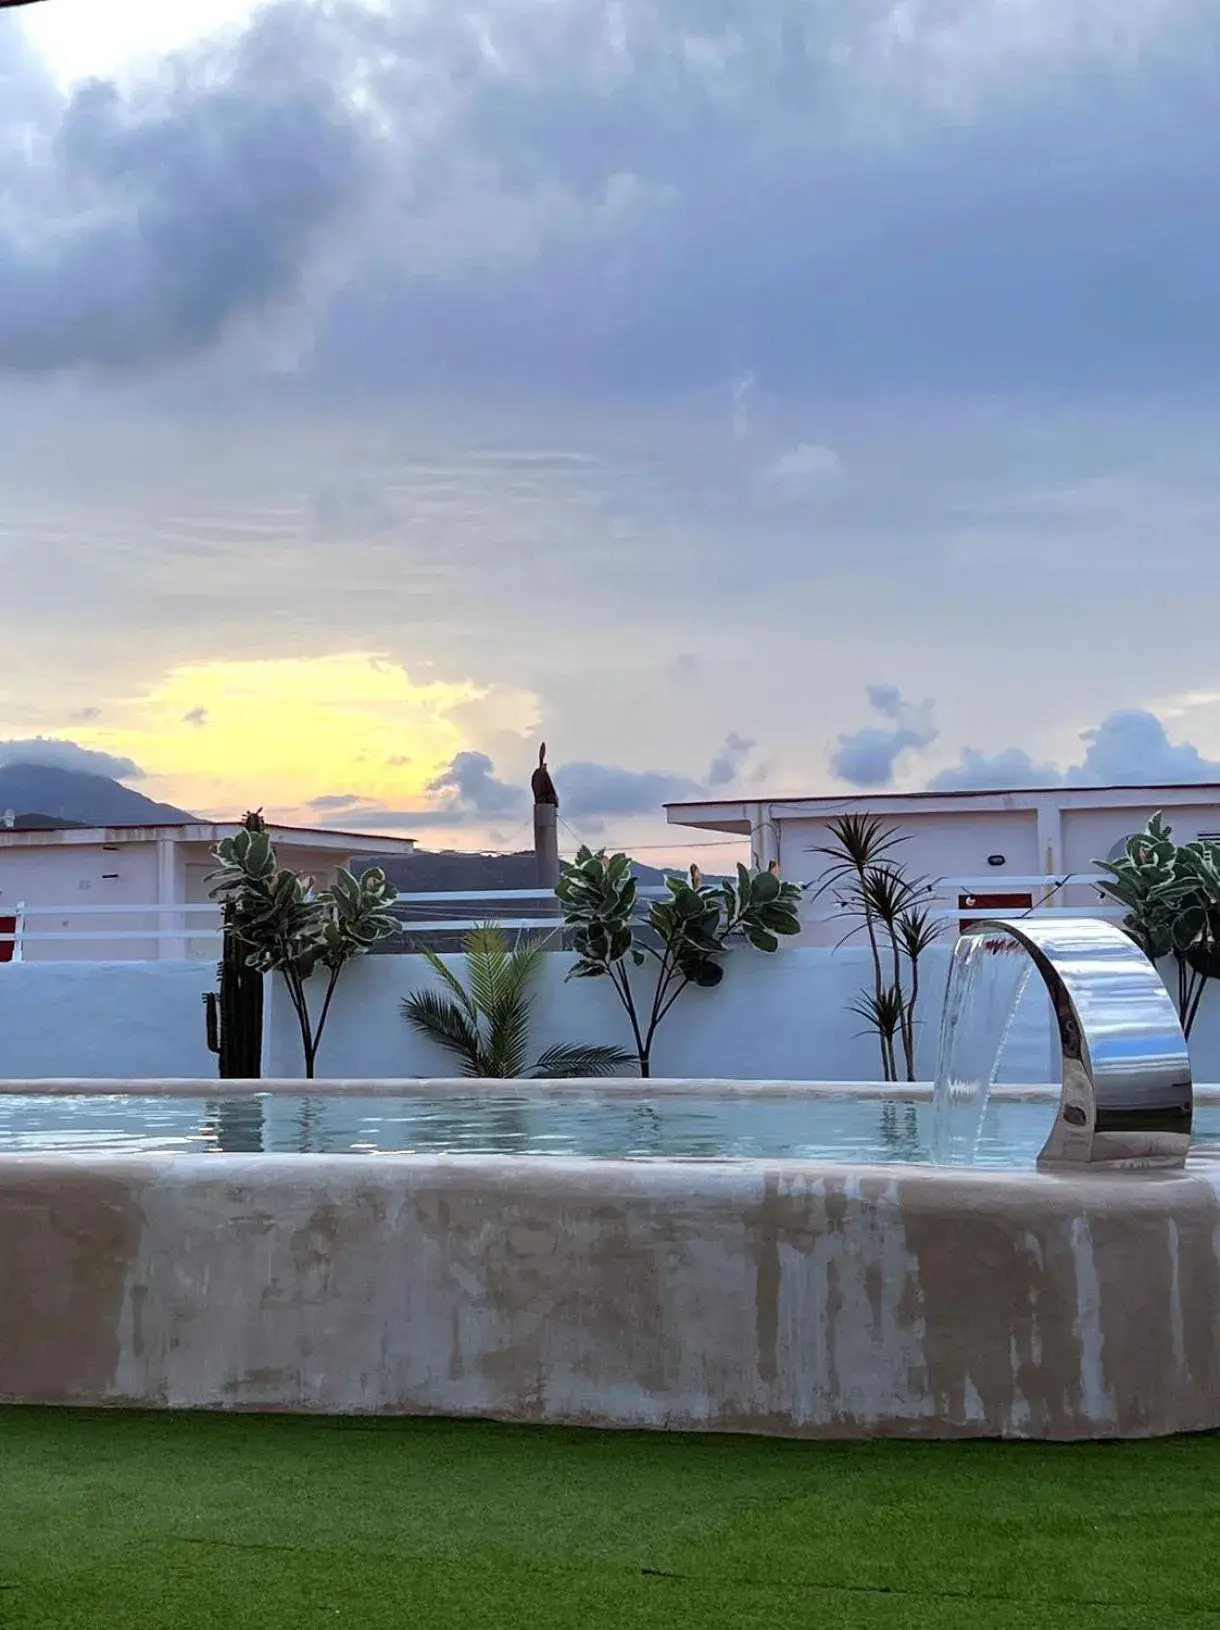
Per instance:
x=1127, y=1096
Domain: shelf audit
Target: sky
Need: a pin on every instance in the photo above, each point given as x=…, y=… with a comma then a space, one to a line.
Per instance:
x=810, y=398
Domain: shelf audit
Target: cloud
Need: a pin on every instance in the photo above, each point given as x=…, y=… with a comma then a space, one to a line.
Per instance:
x=590, y=791
x=684, y=667
x=196, y=717
x=86, y=715
x=625, y=223
x=366, y=817
x=57, y=754
x=332, y=802
x=147, y=222
x=1130, y=747
x=730, y=760
x=993, y=772
x=350, y=510
x=470, y=789
x=741, y=388
x=581, y=164
x=529, y=192
x=867, y=757
x=803, y=471
x=467, y=794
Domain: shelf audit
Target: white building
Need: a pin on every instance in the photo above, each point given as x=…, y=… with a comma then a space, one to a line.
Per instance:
x=985, y=851
x=134, y=893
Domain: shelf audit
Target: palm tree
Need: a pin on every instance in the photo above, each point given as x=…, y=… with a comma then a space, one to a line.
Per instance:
x=486, y=1021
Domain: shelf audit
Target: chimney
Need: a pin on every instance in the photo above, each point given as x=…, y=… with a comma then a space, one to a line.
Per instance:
x=546, y=824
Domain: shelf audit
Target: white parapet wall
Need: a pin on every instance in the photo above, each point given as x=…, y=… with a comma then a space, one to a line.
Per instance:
x=783, y=1017
x=139, y=1019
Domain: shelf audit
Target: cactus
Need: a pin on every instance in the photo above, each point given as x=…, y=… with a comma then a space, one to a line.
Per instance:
x=282, y=922
x=235, y=1016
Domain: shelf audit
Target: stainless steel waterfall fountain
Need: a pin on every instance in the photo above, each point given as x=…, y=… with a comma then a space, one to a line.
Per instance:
x=1127, y=1096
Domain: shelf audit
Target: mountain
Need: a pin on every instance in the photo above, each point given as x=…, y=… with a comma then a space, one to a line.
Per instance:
x=73, y=795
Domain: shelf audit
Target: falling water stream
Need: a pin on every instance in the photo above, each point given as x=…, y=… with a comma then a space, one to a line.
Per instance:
x=987, y=979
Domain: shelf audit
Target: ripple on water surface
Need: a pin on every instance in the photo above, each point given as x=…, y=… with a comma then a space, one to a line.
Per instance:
x=692, y=1126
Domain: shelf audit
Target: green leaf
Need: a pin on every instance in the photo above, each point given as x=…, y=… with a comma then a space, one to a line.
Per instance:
x=707, y=974
x=570, y=1060
x=445, y=1023
x=587, y=970
x=764, y=888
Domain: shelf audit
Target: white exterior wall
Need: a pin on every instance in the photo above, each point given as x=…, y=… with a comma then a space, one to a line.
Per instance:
x=774, y=1018
x=938, y=845
x=784, y=1017
x=94, y=1019
x=1057, y=838
x=159, y=872
x=1089, y=834
x=86, y=875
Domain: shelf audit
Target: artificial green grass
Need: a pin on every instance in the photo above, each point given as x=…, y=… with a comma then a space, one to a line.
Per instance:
x=170, y=1522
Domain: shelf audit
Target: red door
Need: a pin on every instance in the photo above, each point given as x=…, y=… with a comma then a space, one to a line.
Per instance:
x=8, y=925
x=999, y=905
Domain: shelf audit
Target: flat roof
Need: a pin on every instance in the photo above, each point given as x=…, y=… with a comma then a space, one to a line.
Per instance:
x=737, y=814
x=205, y=832
x=948, y=792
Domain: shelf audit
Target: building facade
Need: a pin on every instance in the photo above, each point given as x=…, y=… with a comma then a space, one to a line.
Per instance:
x=982, y=851
x=139, y=893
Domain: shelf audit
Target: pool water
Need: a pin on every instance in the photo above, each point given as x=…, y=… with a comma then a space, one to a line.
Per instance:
x=686, y=1126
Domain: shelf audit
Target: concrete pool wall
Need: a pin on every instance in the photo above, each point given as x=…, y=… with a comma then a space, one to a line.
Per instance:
x=788, y=1298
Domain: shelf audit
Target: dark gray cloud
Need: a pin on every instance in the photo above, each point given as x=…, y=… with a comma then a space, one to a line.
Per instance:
x=469, y=794
x=466, y=794
x=948, y=194
x=196, y=717
x=730, y=760
x=914, y=197
x=470, y=790
x=59, y=754
x=594, y=791
x=143, y=225
x=867, y=757
x=1130, y=747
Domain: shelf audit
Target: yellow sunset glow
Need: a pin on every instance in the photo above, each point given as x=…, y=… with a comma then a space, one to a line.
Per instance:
x=217, y=737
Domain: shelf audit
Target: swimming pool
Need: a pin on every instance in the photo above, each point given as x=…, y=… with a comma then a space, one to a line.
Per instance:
x=786, y=1124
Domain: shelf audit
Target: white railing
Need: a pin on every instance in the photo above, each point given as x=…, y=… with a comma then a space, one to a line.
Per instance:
x=459, y=921
x=449, y=911
x=22, y=936
x=1044, y=891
